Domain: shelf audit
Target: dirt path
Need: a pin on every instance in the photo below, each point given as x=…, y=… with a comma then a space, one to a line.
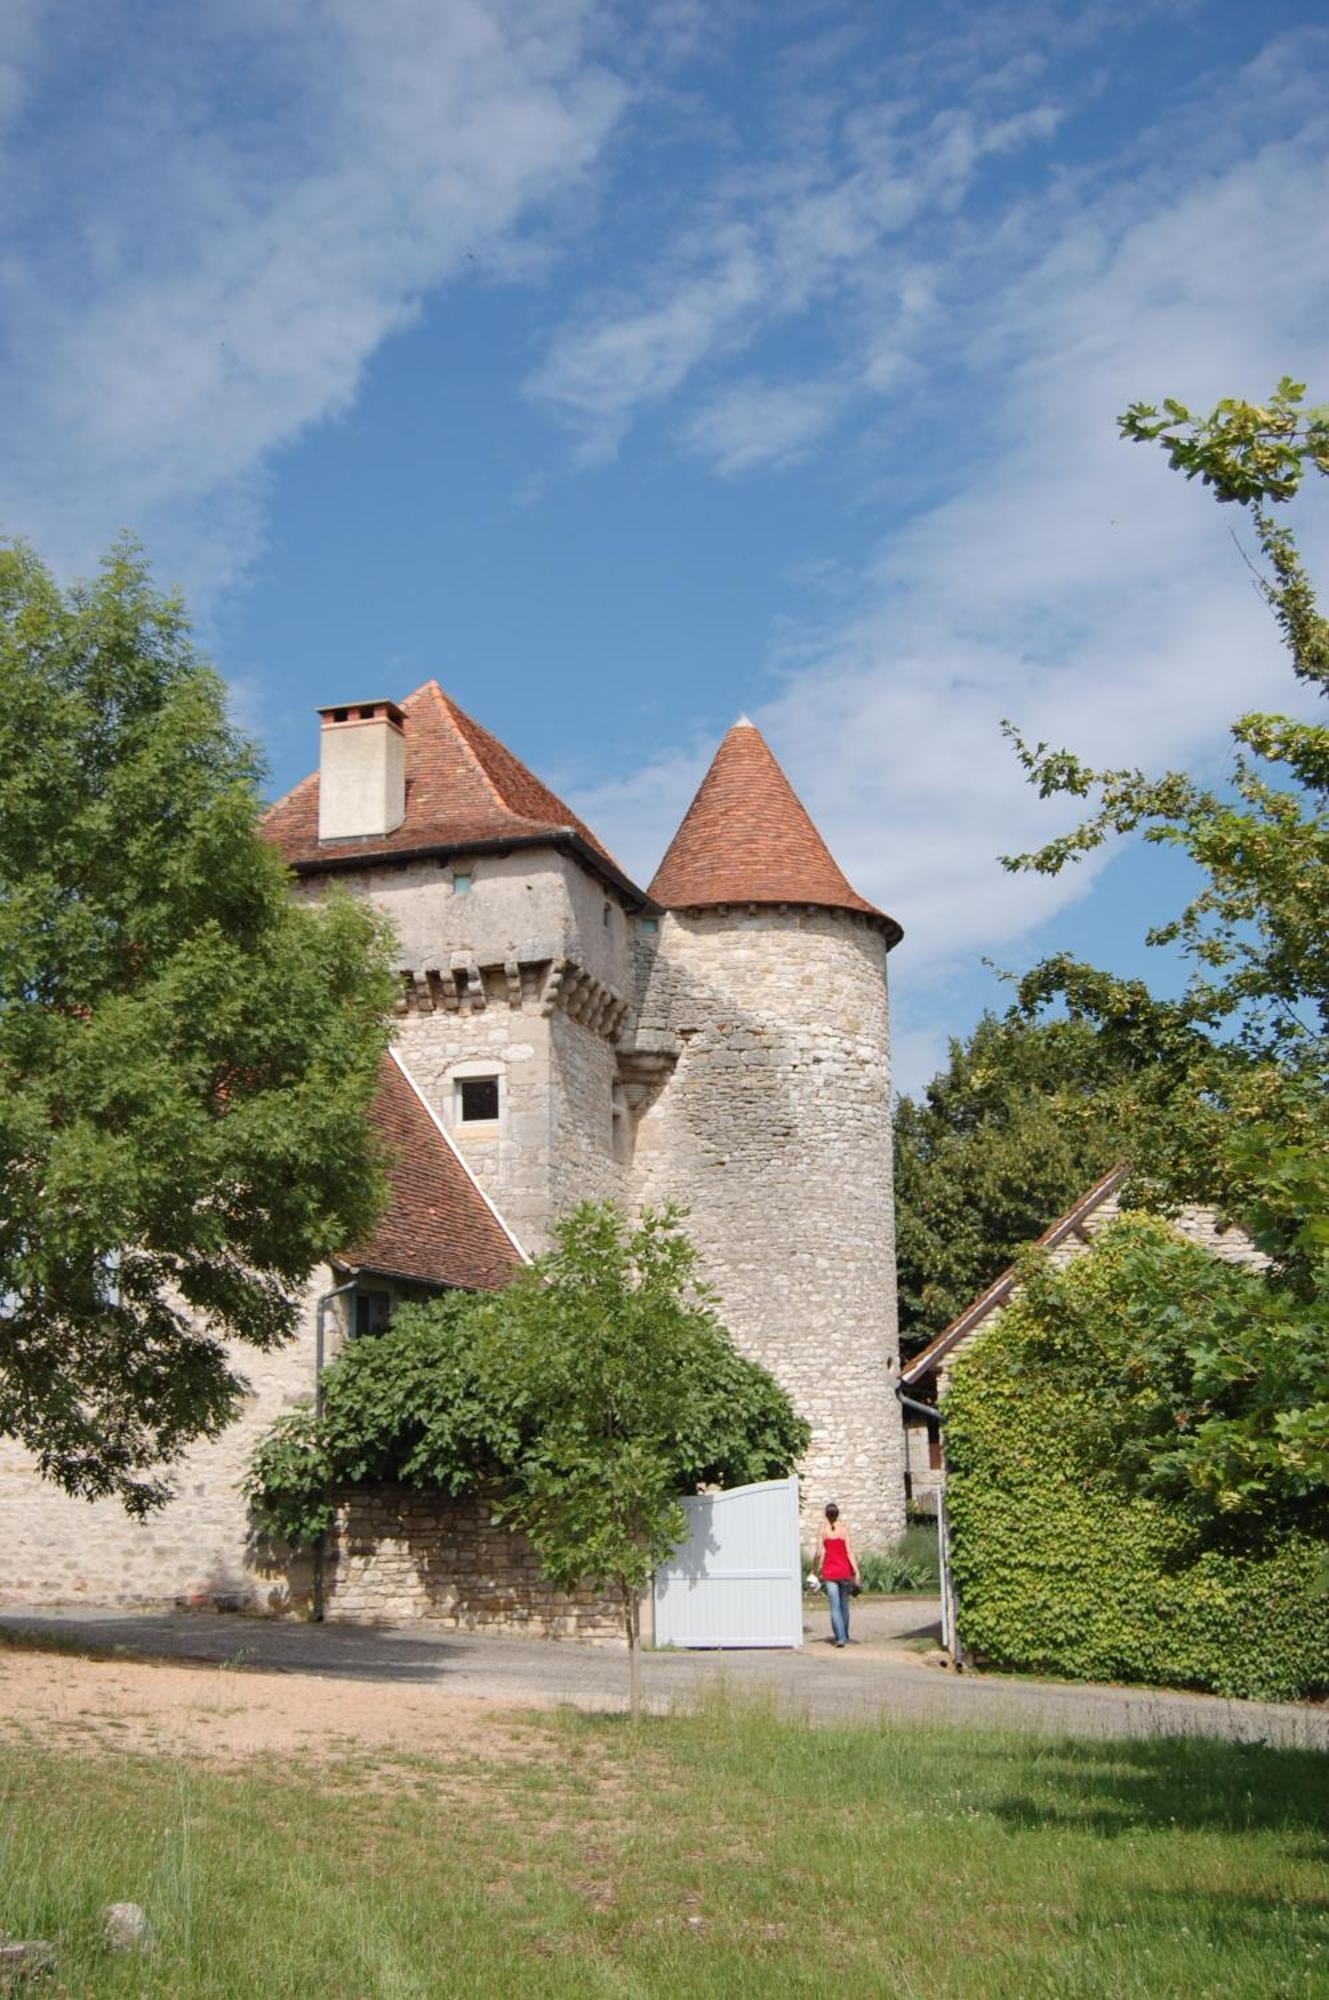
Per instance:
x=388, y=1684
x=221, y=1714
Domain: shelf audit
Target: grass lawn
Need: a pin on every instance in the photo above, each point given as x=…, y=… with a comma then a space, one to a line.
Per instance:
x=723, y=1854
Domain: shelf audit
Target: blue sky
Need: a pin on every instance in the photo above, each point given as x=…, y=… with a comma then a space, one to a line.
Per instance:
x=628, y=367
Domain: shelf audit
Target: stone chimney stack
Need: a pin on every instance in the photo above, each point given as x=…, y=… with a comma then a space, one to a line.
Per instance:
x=361, y=771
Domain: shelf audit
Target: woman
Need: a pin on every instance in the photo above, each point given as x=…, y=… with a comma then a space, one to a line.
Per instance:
x=838, y=1570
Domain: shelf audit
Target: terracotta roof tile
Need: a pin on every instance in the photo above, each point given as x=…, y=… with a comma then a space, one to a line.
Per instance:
x=747, y=838
x=437, y=1228
x=463, y=787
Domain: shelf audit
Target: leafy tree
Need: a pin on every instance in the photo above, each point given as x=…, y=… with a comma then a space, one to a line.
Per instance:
x=1238, y=1113
x=186, y=1053
x=1025, y=1116
x=592, y=1392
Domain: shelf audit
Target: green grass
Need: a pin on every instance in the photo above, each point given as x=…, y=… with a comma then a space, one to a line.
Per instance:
x=723, y=1854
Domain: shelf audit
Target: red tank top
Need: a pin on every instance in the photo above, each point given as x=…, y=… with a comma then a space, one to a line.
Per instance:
x=835, y=1564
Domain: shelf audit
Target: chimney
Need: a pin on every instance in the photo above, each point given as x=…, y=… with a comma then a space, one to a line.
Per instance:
x=361, y=771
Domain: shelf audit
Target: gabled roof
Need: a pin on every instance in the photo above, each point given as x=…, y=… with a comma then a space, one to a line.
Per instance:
x=439, y=1227
x=464, y=789
x=747, y=838
x=1001, y=1288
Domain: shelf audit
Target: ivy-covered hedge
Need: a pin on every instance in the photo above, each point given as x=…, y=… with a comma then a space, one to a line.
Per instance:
x=1064, y=1562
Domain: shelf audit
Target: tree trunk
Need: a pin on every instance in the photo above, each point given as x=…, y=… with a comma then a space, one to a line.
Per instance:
x=632, y=1622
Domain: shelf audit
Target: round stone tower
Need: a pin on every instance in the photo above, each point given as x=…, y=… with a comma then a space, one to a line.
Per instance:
x=762, y=1083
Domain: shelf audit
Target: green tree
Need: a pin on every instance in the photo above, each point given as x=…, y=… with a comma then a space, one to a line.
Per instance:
x=1025, y=1116
x=592, y=1393
x=1238, y=1112
x=186, y=1053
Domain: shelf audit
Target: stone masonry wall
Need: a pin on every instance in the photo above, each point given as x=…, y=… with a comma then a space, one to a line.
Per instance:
x=399, y=1556
x=582, y=1069
x=525, y=975
x=775, y=1131
x=57, y=1550
x=511, y=1159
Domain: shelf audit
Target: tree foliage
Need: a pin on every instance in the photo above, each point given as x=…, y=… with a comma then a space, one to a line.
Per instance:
x=1025, y=1116
x=593, y=1392
x=1238, y=1108
x=186, y=1054
x=1092, y=1469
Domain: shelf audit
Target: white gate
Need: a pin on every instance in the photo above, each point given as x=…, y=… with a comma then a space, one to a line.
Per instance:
x=736, y=1580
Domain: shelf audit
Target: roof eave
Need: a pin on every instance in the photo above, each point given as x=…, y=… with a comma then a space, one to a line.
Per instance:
x=892, y=930
x=566, y=839
x=355, y=1269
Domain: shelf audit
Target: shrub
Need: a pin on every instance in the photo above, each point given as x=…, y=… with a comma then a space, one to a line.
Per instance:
x=910, y=1565
x=1065, y=1561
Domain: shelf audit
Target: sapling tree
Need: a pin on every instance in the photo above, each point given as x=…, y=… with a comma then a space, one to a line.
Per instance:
x=641, y=1396
x=587, y=1398
x=187, y=1054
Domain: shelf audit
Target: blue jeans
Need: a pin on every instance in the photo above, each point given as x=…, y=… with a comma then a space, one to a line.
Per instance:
x=837, y=1596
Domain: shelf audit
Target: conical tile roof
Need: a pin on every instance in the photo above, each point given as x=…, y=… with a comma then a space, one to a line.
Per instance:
x=747, y=838
x=463, y=788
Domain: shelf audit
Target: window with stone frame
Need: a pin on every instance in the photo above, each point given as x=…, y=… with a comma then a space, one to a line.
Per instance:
x=477, y=1099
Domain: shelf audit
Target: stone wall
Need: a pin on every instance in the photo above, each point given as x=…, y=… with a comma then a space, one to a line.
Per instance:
x=583, y=1070
x=399, y=1556
x=58, y=1550
x=527, y=975
x=511, y=1159
x=774, y=1130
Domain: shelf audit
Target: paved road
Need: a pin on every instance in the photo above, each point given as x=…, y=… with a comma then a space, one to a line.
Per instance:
x=882, y=1674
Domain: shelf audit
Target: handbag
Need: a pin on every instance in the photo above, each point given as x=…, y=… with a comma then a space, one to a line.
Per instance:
x=855, y=1588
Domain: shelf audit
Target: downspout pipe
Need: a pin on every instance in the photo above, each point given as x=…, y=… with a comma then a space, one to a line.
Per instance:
x=320, y=1347
x=950, y=1628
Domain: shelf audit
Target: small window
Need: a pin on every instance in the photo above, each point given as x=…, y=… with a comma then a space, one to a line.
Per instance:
x=647, y=924
x=605, y=919
x=373, y=1310
x=461, y=884
x=477, y=1099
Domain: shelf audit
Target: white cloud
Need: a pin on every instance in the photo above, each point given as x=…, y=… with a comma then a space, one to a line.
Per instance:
x=772, y=241
x=756, y=424
x=209, y=257
x=1069, y=581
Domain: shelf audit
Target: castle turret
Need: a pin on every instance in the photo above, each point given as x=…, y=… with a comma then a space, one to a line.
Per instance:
x=762, y=1000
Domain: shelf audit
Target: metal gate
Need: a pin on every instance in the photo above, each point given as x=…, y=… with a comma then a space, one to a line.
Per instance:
x=736, y=1579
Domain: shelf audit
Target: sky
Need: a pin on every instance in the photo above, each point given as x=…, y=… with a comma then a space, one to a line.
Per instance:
x=626, y=367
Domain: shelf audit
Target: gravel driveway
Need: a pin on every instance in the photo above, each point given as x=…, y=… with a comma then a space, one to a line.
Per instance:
x=884, y=1672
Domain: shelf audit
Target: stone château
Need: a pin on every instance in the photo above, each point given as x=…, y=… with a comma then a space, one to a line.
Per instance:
x=719, y=1040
